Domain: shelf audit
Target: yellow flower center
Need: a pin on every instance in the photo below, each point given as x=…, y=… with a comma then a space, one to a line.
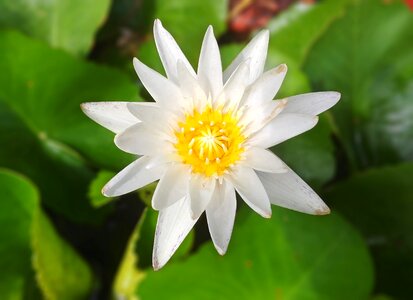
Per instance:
x=210, y=142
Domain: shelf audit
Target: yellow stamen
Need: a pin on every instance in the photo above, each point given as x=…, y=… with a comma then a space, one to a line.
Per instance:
x=210, y=141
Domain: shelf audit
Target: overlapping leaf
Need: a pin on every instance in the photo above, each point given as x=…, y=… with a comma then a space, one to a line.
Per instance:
x=379, y=202
x=65, y=24
x=44, y=133
x=356, y=56
x=291, y=256
x=31, y=248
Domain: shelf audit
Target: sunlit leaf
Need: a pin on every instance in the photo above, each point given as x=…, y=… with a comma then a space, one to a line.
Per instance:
x=137, y=257
x=18, y=203
x=66, y=24
x=128, y=274
x=294, y=31
x=291, y=256
x=353, y=57
x=60, y=272
x=27, y=236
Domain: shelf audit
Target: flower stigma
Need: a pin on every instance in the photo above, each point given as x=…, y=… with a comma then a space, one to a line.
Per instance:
x=210, y=141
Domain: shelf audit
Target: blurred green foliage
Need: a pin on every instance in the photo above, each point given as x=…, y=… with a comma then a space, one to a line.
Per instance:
x=64, y=24
x=61, y=239
x=27, y=234
x=273, y=259
x=382, y=210
x=371, y=51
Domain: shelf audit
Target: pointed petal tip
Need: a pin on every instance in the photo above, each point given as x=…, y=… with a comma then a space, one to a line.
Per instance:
x=264, y=213
x=156, y=265
x=264, y=33
x=105, y=192
x=282, y=68
x=136, y=62
x=210, y=29
x=157, y=22
x=220, y=250
x=109, y=192
x=158, y=261
x=84, y=107
x=137, y=65
x=323, y=211
x=263, y=36
x=337, y=95
x=267, y=215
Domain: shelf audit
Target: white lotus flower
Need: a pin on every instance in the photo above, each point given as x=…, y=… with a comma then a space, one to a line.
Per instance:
x=206, y=136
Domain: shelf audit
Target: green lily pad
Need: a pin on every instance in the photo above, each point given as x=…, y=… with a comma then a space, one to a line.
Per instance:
x=291, y=256
x=379, y=203
x=31, y=249
x=295, y=30
x=137, y=257
x=95, y=189
x=66, y=24
x=18, y=203
x=355, y=56
x=44, y=133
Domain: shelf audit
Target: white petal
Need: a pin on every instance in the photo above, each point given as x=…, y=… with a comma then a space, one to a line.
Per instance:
x=169, y=51
x=172, y=186
x=201, y=189
x=234, y=88
x=290, y=191
x=162, y=158
x=265, y=87
x=163, y=91
x=112, y=115
x=263, y=160
x=282, y=128
x=142, y=140
x=174, y=224
x=250, y=188
x=152, y=115
x=256, y=50
x=221, y=215
x=133, y=177
x=255, y=117
x=209, y=66
x=194, y=96
x=311, y=103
